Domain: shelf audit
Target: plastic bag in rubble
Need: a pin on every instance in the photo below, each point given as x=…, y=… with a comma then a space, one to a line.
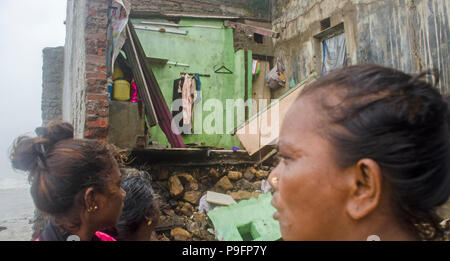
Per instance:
x=204, y=206
x=275, y=78
x=265, y=186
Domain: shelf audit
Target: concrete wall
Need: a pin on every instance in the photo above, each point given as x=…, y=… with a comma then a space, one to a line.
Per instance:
x=52, y=83
x=241, y=8
x=74, y=90
x=411, y=35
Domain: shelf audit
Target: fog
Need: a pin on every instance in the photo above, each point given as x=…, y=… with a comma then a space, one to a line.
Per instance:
x=26, y=28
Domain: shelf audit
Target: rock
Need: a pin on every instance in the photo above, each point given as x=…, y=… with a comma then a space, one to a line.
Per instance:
x=244, y=184
x=189, y=181
x=248, y=175
x=169, y=212
x=173, y=203
x=255, y=194
x=162, y=237
x=234, y=175
x=187, y=209
x=3, y=228
x=163, y=174
x=175, y=186
x=224, y=184
x=213, y=172
x=180, y=234
x=256, y=185
x=192, y=197
x=241, y=194
x=262, y=174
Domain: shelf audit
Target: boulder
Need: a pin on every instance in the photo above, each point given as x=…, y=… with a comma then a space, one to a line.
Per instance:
x=175, y=186
x=223, y=184
x=180, y=234
x=192, y=197
x=234, y=175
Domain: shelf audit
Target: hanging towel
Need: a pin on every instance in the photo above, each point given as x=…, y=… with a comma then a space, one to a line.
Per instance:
x=187, y=100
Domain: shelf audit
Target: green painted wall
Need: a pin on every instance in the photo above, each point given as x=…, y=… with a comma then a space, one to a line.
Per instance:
x=202, y=49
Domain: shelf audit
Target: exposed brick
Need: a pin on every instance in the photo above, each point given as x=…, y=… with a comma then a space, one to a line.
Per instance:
x=96, y=75
x=99, y=123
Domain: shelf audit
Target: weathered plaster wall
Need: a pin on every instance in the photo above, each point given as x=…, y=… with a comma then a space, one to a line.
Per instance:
x=240, y=8
x=52, y=83
x=411, y=35
x=74, y=108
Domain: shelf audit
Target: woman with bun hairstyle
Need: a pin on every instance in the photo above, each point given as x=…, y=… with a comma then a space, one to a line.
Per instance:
x=76, y=182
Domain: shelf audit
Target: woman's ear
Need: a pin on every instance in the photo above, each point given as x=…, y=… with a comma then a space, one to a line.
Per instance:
x=90, y=201
x=365, y=189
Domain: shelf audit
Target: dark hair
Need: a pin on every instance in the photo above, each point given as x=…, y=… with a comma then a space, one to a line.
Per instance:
x=402, y=123
x=60, y=167
x=140, y=203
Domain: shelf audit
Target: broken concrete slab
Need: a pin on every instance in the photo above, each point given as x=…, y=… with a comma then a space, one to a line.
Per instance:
x=249, y=220
x=219, y=199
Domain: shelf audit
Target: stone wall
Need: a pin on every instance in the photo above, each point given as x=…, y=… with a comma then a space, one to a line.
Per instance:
x=52, y=82
x=410, y=35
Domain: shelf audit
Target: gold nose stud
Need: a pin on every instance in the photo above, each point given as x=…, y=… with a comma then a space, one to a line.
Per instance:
x=274, y=181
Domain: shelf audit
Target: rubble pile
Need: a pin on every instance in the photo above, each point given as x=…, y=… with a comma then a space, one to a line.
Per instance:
x=181, y=189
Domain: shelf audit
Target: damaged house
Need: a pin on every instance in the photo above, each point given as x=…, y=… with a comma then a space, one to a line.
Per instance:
x=126, y=66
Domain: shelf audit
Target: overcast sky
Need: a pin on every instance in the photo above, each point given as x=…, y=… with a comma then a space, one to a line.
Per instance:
x=26, y=27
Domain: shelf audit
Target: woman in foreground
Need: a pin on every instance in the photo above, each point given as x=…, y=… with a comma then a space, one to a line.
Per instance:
x=76, y=182
x=365, y=155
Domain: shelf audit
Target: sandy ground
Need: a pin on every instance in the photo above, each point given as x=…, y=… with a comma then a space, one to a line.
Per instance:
x=16, y=213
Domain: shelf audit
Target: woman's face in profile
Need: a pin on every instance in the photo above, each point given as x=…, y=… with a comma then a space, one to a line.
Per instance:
x=309, y=193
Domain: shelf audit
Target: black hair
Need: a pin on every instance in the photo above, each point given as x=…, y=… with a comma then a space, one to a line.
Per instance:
x=401, y=122
x=140, y=204
x=61, y=168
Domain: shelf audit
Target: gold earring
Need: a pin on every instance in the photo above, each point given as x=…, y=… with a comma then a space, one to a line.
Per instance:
x=95, y=208
x=149, y=223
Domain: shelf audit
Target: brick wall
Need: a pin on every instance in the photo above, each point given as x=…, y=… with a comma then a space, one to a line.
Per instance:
x=97, y=104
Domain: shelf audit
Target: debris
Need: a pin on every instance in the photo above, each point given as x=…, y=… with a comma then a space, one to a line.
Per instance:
x=180, y=234
x=163, y=174
x=265, y=186
x=249, y=174
x=175, y=186
x=191, y=182
x=204, y=205
x=219, y=198
x=256, y=185
x=234, y=175
x=187, y=209
x=244, y=184
x=213, y=172
x=224, y=184
x=261, y=174
x=169, y=212
x=192, y=196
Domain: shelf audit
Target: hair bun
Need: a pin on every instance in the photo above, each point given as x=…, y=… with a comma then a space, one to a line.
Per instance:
x=56, y=131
